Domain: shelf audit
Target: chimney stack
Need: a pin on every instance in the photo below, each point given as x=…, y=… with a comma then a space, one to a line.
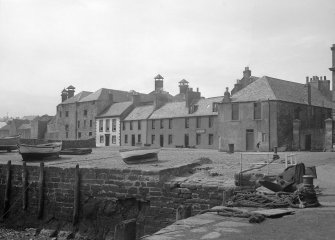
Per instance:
x=333, y=71
x=159, y=83
x=64, y=95
x=226, y=97
x=183, y=86
x=136, y=99
x=191, y=97
x=70, y=91
x=246, y=73
x=309, y=93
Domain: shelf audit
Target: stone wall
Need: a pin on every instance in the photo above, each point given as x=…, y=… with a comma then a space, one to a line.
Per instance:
x=108, y=196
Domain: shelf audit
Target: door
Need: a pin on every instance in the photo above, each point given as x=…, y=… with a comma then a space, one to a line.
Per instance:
x=161, y=140
x=250, y=140
x=133, y=139
x=308, y=142
x=186, y=140
x=107, y=139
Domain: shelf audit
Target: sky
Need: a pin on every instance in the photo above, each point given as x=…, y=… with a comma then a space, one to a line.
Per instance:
x=47, y=45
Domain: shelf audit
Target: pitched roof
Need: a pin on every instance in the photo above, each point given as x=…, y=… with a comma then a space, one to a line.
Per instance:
x=140, y=113
x=2, y=124
x=183, y=81
x=267, y=88
x=6, y=127
x=158, y=77
x=115, y=109
x=76, y=97
x=179, y=109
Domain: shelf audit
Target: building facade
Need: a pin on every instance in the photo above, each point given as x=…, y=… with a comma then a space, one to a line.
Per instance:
x=274, y=113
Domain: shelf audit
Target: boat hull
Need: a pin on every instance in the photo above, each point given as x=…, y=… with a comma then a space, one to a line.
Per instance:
x=136, y=156
x=9, y=143
x=40, y=152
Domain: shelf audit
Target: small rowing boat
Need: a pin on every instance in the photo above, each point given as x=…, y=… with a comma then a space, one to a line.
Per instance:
x=139, y=155
x=40, y=151
x=9, y=143
x=76, y=151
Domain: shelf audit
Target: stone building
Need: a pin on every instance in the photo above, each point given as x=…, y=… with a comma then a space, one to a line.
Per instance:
x=275, y=113
x=12, y=127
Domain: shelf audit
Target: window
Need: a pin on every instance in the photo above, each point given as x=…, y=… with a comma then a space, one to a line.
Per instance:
x=257, y=110
x=198, y=119
x=84, y=123
x=90, y=134
x=187, y=122
x=66, y=113
x=152, y=139
x=131, y=125
x=215, y=107
x=297, y=113
x=152, y=124
x=67, y=134
x=113, y=125
x=60, y=113
x=139, y=124
x=210, y=122
x=79, y=134
x=126, y=138
x=108, y=122
x=113, y=139
x=198, y=139
x=139, y=138
x=85, y=113
x=170, y=139
x=66, y=127
x=170, y=123
x=123, y=126
x=101, y=139
x=78, y=124
x=210, y=139
x=235, y=112
x=263, y=137
x=101, y=125
x=161, y=123
x=91, y=123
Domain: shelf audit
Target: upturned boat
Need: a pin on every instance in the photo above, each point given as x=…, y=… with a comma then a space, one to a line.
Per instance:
x=139, y=155
x=9, y=143
x=40, y=151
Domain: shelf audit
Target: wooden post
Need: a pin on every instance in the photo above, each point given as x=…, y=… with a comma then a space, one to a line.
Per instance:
x=76, y=195
x=41, y=192
x=183, y=212
x=24, y=186
x=125, y=230
x=7, y=191
x=240, y=176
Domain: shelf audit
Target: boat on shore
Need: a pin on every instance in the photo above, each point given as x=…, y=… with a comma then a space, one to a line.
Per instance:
x=9, y=143
x=76, y=151
x=139, y=155
x=40, y=151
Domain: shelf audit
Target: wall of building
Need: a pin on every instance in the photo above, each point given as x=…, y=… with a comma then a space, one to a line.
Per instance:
x=101, y=135
x=107, y=196
x=178, y=132
x=235, y=131
x=312, y=122
x=62, y=120
x=135, y=131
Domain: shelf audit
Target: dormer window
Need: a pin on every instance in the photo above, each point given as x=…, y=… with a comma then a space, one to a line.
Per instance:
x=194, y=108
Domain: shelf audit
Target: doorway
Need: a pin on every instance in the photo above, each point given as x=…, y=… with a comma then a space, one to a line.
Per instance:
x=161, y=140
x=250, y=140
x=133, y=139
x=107, y=139
x=186, y=140
x=308, y=142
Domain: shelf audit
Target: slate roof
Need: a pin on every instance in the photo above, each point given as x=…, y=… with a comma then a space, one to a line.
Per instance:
x=267, y=88
x=6, y=127
x=179, y=109
x=115, y=109
x=140, y=113
x=76, y=98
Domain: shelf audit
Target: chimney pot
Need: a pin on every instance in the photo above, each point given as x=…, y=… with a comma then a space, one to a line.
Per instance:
x=197, y=89
x=324, y=78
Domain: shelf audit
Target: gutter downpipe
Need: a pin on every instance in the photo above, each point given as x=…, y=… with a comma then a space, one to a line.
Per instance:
x=269, y=127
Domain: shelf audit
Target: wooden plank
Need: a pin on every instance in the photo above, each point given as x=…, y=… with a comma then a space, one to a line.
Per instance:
x=41, y=192
x=24, y=186
x=7, y=191
x=76, y=196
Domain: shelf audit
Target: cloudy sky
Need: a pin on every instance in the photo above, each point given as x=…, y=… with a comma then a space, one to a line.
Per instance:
x=46, y=45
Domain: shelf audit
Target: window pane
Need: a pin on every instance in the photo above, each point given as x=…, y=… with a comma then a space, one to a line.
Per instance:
x=235, y=111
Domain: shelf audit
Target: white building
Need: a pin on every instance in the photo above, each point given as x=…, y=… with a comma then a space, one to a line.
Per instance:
x=108, y=127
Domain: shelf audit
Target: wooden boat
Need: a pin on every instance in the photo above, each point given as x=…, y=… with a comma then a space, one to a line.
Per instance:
x=40, y=151
x=76, y=151
x=9, y=143
x=139, y=155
